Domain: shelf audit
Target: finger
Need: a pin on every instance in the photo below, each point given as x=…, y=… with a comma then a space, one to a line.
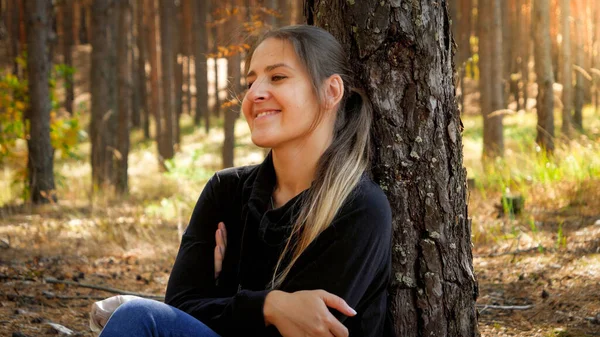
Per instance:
x=218, y=261
x=223, y=233
x=220, y=243
x=337, y=303
x=337, y=328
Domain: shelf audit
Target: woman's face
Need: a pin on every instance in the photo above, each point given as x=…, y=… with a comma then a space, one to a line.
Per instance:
x=280, y=105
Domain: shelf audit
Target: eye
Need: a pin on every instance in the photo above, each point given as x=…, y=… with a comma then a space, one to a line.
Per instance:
x=276, y=78
x=250, y=84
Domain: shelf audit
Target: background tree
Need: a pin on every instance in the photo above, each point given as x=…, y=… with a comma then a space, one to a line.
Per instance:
x=544, y=74
x=40, y=165
x=579, y=61
x=67, y=44
x=103, y=81
x=168, y=61
x=405, y=63
x=566, y=68
x=234, y=88
x=200, y=62
x=124, y=92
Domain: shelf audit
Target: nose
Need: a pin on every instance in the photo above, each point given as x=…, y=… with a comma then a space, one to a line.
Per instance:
x=259, y=91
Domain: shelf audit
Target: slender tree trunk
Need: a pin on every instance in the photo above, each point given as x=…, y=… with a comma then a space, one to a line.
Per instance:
x=178, y=52
x=155, y=74
x=579, y=79
x=217, y=106
x=525, y=48
x=232, y=112
x=103, y=125
x=567, y=68
x=405, y=63
x=40, y=160
x=124, y=93
x=188, y=45
x=76, y=25
x=544, y=75
x=490, y=82
x=67, y=44
x=494, y=142
x=201, y=71
x=142, y=46
x=167, y=16
x=136, y=110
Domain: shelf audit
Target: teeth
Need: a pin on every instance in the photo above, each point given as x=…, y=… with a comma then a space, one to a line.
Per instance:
x=266, y=113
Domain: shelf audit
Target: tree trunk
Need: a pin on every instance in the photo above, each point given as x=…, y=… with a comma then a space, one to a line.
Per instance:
x=124, y=93
x=490, y=78
x=201, y=72
x=403, y=55
x=167, y=13
x=67, y=44
x=579, y=80
x=177, y=44
x=142, y=46
x=103, y=125
x=215, y=45
x=156, y=101
x=188, y=32
x=544, y=74
x=525, y=48
x=136, y=110
x=567, y=68
x=495, y=140
x=76, y=25
x=40, y=160
x=232, y=112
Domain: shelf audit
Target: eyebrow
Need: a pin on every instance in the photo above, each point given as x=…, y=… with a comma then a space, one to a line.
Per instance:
x=270, y=68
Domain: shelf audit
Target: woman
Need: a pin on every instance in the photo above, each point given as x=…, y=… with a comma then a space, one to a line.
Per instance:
x=291, y=246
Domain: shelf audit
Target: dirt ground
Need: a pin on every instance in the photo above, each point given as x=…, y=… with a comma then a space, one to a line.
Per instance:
x=559, y=283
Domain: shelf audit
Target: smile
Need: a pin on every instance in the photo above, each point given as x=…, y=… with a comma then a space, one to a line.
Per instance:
x=267, y=113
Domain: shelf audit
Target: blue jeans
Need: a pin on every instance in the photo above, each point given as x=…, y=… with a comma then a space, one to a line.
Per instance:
x=149, y=318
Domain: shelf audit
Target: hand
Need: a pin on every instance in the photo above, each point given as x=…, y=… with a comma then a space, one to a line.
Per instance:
x=221, y=239
x=305, y=313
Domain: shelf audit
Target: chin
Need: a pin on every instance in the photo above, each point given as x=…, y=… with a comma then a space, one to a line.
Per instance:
x=263, y=142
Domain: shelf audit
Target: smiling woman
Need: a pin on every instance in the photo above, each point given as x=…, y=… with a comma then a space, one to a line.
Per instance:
x=290, y=247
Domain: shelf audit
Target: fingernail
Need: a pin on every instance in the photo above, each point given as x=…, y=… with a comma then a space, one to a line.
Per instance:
x=352, y=311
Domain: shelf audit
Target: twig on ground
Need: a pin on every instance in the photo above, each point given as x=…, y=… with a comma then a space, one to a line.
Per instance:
x=484, y=307
x=51, y=295
x=107, y=289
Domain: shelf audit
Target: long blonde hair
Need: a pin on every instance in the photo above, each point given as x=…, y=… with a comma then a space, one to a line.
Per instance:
x=341, y=166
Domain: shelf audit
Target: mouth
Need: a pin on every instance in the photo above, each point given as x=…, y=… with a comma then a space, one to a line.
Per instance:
x=266, y=113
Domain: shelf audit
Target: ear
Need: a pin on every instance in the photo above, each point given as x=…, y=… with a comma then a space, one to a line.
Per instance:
x=334, y=91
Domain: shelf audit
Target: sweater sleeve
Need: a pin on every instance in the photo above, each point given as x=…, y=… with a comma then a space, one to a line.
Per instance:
x=192, y=286
x=352, y=257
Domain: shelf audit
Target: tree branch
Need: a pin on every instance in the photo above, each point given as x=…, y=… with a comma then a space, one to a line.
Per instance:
x=107, y=289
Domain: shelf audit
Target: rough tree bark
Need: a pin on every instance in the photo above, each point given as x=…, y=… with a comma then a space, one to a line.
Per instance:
x=567, y=68
x=103, y=125
x=544, y=74
x=201, y=70
x=215, y=49
x=402, y=53
x=124, y=93
x=40, y=163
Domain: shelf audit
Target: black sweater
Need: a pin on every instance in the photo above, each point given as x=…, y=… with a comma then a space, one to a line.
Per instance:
x=351, y=258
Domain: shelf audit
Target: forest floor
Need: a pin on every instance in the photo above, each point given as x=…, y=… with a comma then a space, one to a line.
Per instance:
x=538, y=272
